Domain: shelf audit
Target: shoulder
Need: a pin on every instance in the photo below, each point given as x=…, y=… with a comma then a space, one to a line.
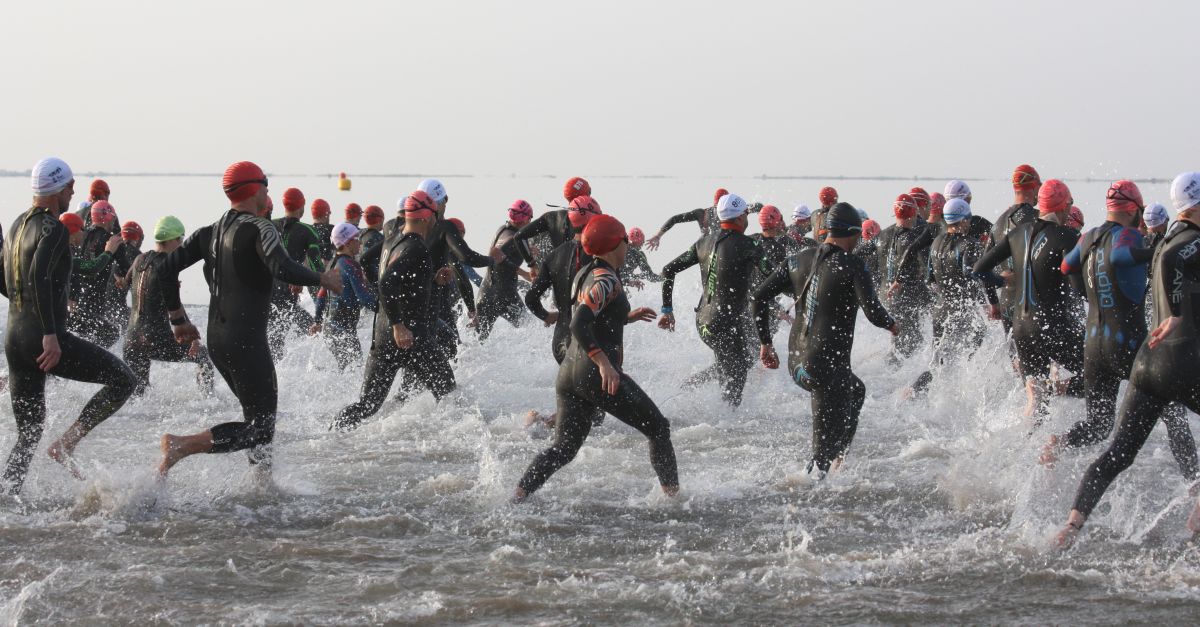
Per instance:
x=266, y=232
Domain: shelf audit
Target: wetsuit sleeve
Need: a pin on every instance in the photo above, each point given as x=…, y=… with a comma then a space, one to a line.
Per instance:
x=999, y=251
x=864, y=288
x=179, y=260
x=604, y=289
x=463, y=253
x=282, y=266
x=354, y=279
x=539, y=225
x=50, y=248
x=1072, y=262
x=677, y=265
x=1127, y=249
x=642, y=267
x=695, y=215
x=370, y=259
x=533, y=296
x=923, y=242
x=777, y=283
x=464, y=287
x=320, y=300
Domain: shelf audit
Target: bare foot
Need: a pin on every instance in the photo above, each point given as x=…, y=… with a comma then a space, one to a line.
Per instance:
x=548, y=420
x=1066, y=537
x=532, y=417
x=907, y=394
x=62, y=452
x=671, y=490
x=170, y=445
x=519, y=496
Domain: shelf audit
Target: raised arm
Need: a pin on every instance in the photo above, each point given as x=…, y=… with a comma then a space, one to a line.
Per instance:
x=688, y=259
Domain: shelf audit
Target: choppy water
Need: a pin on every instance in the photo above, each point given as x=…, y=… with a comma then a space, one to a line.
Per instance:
x=941, y=513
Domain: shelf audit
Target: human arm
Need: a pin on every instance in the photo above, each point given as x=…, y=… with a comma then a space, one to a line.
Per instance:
x=999, y=251
x=864, y=290
x=539, y=225
x=688, y=259
x=604, y=289
x=464, y=287
x=533, y=296
x=775, y=284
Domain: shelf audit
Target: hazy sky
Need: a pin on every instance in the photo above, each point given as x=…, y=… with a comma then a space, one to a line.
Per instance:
x=937, y=88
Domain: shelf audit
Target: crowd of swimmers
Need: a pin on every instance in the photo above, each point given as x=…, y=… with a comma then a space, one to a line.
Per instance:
x=1083, y=309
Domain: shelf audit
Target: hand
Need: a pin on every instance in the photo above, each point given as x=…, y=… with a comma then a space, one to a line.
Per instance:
x=642, y=314
x=994, y=312
x=51, y=353
x=786, y=317
x=1007, y=276
x=610, y=379
x=892, y=289
x=1161, y=332
x=314, y=329
x=667, y=322
x=331, y=280
x=444, y=275
x=497, y=255
x=895, y=328
x=194, y=349
x=652, y=243
x=185, y=333
x=296, y=290
x=551, y=319
x=767, y=356
x=402, y=336
x=72, y=305
x=120, y=283
x=472, y=320
x=636, y=284
x=525, y=275
x=112, y=244
x=1049, y=452
x=533, y=273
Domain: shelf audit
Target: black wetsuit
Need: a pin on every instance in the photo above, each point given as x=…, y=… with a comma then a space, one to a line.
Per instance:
x=830, y=285
x=498, y=296
x=1113, y=264
x=243, y=256
x=340, y=325
x=324, y=232
x=1012, y=217
x=557, y=272
x=369, y=259
x=706, y=218
x=149, y=336
x=556, y=224
x=95, y=317
x=1045, y=325
x=36, y=281
x=958, y=320
x=1161, y=375
x=728, y=260
x=597, y=325
x=302, y=244
x=893, y=265
x=446, y=245
x=776, y=250
x=405, y=290
x=122, y=262
x=370, y=238
x=637, y=267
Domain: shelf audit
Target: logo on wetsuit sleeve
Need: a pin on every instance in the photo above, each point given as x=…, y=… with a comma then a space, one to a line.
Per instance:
x=1189, y=251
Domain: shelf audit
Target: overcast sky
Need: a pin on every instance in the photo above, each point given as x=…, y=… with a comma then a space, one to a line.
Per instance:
x=935, y=88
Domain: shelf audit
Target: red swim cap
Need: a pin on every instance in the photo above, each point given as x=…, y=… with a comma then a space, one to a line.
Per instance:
x=419, y=205
x=353, y=211
x=721, y=191
x=637, y=237
x=582, y=209
x=603, y=234
x=1054, y=197
x=1074, y=218
x=99, y=190
x=293, y=199
x=770, y=218
x=73, y=222
x=132, y=231
x=373, y=215
x=828, y=196
x=520, y=211
x=870, y=229
x=242, y=180
x=936, y=202
x=1025, y=177
x=1124, y=197
x=904, y=207
x=458, y=224
x=102, y=212
x=268, y=207
x=319, y=208
x=576, y=187
x=920, y=196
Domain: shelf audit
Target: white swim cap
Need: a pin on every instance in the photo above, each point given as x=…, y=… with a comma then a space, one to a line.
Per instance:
x=1155, y=215
x=730, y=206
x=50, y=176
x=956, y=189
x=434, y=188
x=801, y=212
x=956, y=210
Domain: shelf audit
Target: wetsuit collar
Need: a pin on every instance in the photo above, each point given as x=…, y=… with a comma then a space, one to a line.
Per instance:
x=730, y=226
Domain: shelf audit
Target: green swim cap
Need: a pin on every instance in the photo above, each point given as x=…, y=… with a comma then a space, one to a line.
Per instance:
x=167, y=229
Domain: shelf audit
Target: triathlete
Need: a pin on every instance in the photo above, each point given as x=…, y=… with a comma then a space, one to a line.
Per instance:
x=1026, y=183
x=338, y=314
x=498, y=295
x=320, y=213
x=302, y=243
x=637, y=268
x=904, y=277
